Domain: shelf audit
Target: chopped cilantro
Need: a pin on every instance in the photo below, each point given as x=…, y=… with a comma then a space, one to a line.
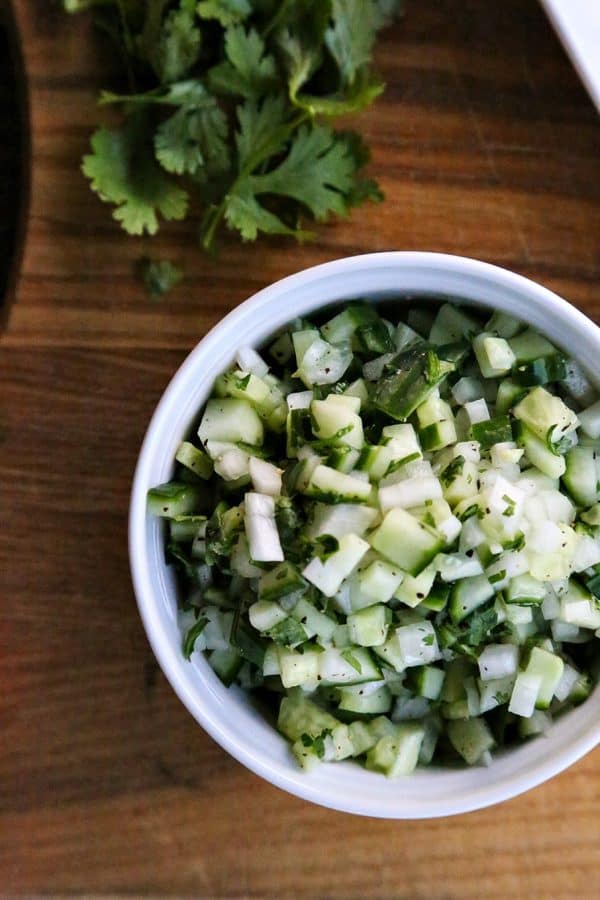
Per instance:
x=351, y=659
x=160, y=276
x=192, y=633
x=452, y=470
x=509, y=509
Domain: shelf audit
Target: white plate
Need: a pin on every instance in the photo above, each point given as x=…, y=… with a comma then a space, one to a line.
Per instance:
x=578, y=25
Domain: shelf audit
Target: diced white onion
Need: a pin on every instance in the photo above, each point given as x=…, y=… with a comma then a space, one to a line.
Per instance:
x=524, y=694
x=498, y=661
x=250, y=361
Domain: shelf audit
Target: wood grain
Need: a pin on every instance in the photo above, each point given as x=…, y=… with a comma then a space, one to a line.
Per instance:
x=486, y=145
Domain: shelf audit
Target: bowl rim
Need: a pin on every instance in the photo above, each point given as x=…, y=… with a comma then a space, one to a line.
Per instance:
x=581, y=742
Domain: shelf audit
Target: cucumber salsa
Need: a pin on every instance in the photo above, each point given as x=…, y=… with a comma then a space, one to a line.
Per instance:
x=392, y=530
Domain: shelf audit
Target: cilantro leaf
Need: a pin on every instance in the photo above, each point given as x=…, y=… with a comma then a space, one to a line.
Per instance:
x=316, y=743
x=479, y=624
x=351, y=35
x=227, y=12
x=248, y=70
x=279, y=69
x=123, y=171
x=302, y=59
x=245, y=214
x=262, y=132
x=160, y=276
x=363, y=188
x=194, y=139
x=325, y=545
x=171, y=45
x=317, y=172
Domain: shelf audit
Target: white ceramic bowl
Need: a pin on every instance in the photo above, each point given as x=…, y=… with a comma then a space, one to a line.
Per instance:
x=227, y=714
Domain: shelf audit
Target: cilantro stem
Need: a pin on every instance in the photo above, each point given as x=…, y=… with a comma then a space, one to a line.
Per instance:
x=277, y=18
x=263, y=151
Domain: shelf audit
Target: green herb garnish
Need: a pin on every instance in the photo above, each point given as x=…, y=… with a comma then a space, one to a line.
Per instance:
x=228, y=105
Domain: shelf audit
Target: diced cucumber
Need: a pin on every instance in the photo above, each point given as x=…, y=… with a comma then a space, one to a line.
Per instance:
x=437, y=598
x=427, y=681
x=415, y=589
x=409, y=493
x=313, y=620
x=352, y=666
x=454, y=566
x=454, y=683
x=494, y=355
x=266, y=614
x=471, y=738
x=397, y=754
x=537, y=723
x=337, y=422
x=226, y=664
x=187, y=528
x=172, y=499
x=578, y=607
x=230, y=419
x=582, y=475
x=330, y=486
x=433, y=409
x=538, y=452
x=467, y=389
x=298, y=715
x=323, y=363
x=541, y=371
x=194, y=459
x=340, y=519
x=509, y=394
x=494, y=692
x=390, y=653
x=590, y=420
x=418, y=644
x=368, y=627
x=549, y=667
x=545, y=415
x=525, y=590
x=459, y=480
x=327, y=576
x=301, y=341
x=379, y=580
x=282, y=581
x=298, y=668
x=497, y=430
x=358, y=699
x=530, y=345
x=503, y=325
x=406, y=542
x=467, y=595
x=361, y=737
x=439, y=434
x=451, y=324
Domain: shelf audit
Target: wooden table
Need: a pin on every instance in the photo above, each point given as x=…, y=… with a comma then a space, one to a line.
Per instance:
x=486, y=145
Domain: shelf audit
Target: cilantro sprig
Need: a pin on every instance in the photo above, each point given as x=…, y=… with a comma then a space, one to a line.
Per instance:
x=228, y=109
